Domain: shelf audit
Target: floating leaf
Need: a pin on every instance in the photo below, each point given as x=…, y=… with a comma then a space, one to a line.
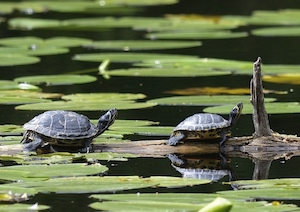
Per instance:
x=17, y=207
x=163, y=72
x=61, y=79
x=204, y=100
x=279, y=17
x=277, y=31
x=196, y=34
x=15, y=189
x=271, y=107
x=178, y=201
x=31, y=23
x=293, y=79
x=17, y=59
x=11, y=85
x=11, y=128
x=105, y=97
x=129, y=57
x=23, y=97
x=107, y=183
x=35, y=43
x=125, y=45
x=56, y=170
x=93, y=101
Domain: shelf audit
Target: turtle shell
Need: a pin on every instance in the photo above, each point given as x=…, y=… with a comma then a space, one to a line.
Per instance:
x=64, y=125
x=203, y=125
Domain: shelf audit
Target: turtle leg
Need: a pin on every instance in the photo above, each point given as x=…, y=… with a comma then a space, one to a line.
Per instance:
x=223, y=137
x=34, y=145
x=87, y=147
x=175, y=138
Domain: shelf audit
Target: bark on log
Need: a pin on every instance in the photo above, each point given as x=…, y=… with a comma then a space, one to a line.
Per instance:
x=260, y=116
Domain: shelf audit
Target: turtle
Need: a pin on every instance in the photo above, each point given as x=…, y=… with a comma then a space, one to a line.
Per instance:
x=64, y=128
x=205, y=126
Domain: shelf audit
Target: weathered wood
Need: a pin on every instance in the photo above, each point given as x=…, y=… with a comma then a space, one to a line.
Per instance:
x=260, y=116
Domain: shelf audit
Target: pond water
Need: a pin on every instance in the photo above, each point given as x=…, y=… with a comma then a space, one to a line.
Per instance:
x=273, y=50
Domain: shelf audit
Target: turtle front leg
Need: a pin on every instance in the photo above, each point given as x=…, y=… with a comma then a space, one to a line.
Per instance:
x=176, y=137
x=34, y=145
x=87, y=147
x=223, y=137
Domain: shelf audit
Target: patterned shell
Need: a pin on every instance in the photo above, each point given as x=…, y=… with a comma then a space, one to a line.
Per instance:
x=202, y=121
x=62, y=125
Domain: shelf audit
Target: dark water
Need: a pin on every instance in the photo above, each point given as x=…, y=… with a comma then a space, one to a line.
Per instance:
x=272, y=50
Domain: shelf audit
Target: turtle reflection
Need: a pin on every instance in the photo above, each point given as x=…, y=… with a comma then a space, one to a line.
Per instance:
x=206, y=167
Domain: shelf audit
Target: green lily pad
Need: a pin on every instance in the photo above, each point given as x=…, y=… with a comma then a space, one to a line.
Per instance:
x=56, y=170
x=36, y=43
x=24, y=96
x=205, y=100
x=16, y=100
x=164, y=72
x=98, y=97
x=203, y=64
x=17, y=59
x=15, y=189
x=125, y=45
x=178, y=201
x=61, y=79
x=271, y=107
x=11, y=85
x=279, y=17
x=93, y=101
x=277, y=31
x=31, y=23
x=196, y=34
x=129, y=57
x=17, y=207
x=84, y=106
x=107, y=184
x=11, y=128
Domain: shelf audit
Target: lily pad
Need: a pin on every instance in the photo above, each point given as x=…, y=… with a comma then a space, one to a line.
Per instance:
x=204, y=100
x=31, y=23
x=285, y=31
x=17, y=207
x=196, y=34
x=11, y=85
x=94, y=101
x=61, y=79
x=129, y=57
x=35, y=43
x=178, y=201
x=107, y=183
x=164, y=72
x=56, y=170
x=17, y=59
x=125, y=45
x=271, y=107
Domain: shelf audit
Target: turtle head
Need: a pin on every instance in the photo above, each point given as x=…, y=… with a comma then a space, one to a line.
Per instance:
x=235, y=113
x=106, y=120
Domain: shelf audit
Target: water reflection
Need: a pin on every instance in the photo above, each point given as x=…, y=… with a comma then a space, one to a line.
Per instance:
x=206, y=167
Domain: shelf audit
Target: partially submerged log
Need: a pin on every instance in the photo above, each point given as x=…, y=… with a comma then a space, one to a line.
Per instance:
x=262, y=145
